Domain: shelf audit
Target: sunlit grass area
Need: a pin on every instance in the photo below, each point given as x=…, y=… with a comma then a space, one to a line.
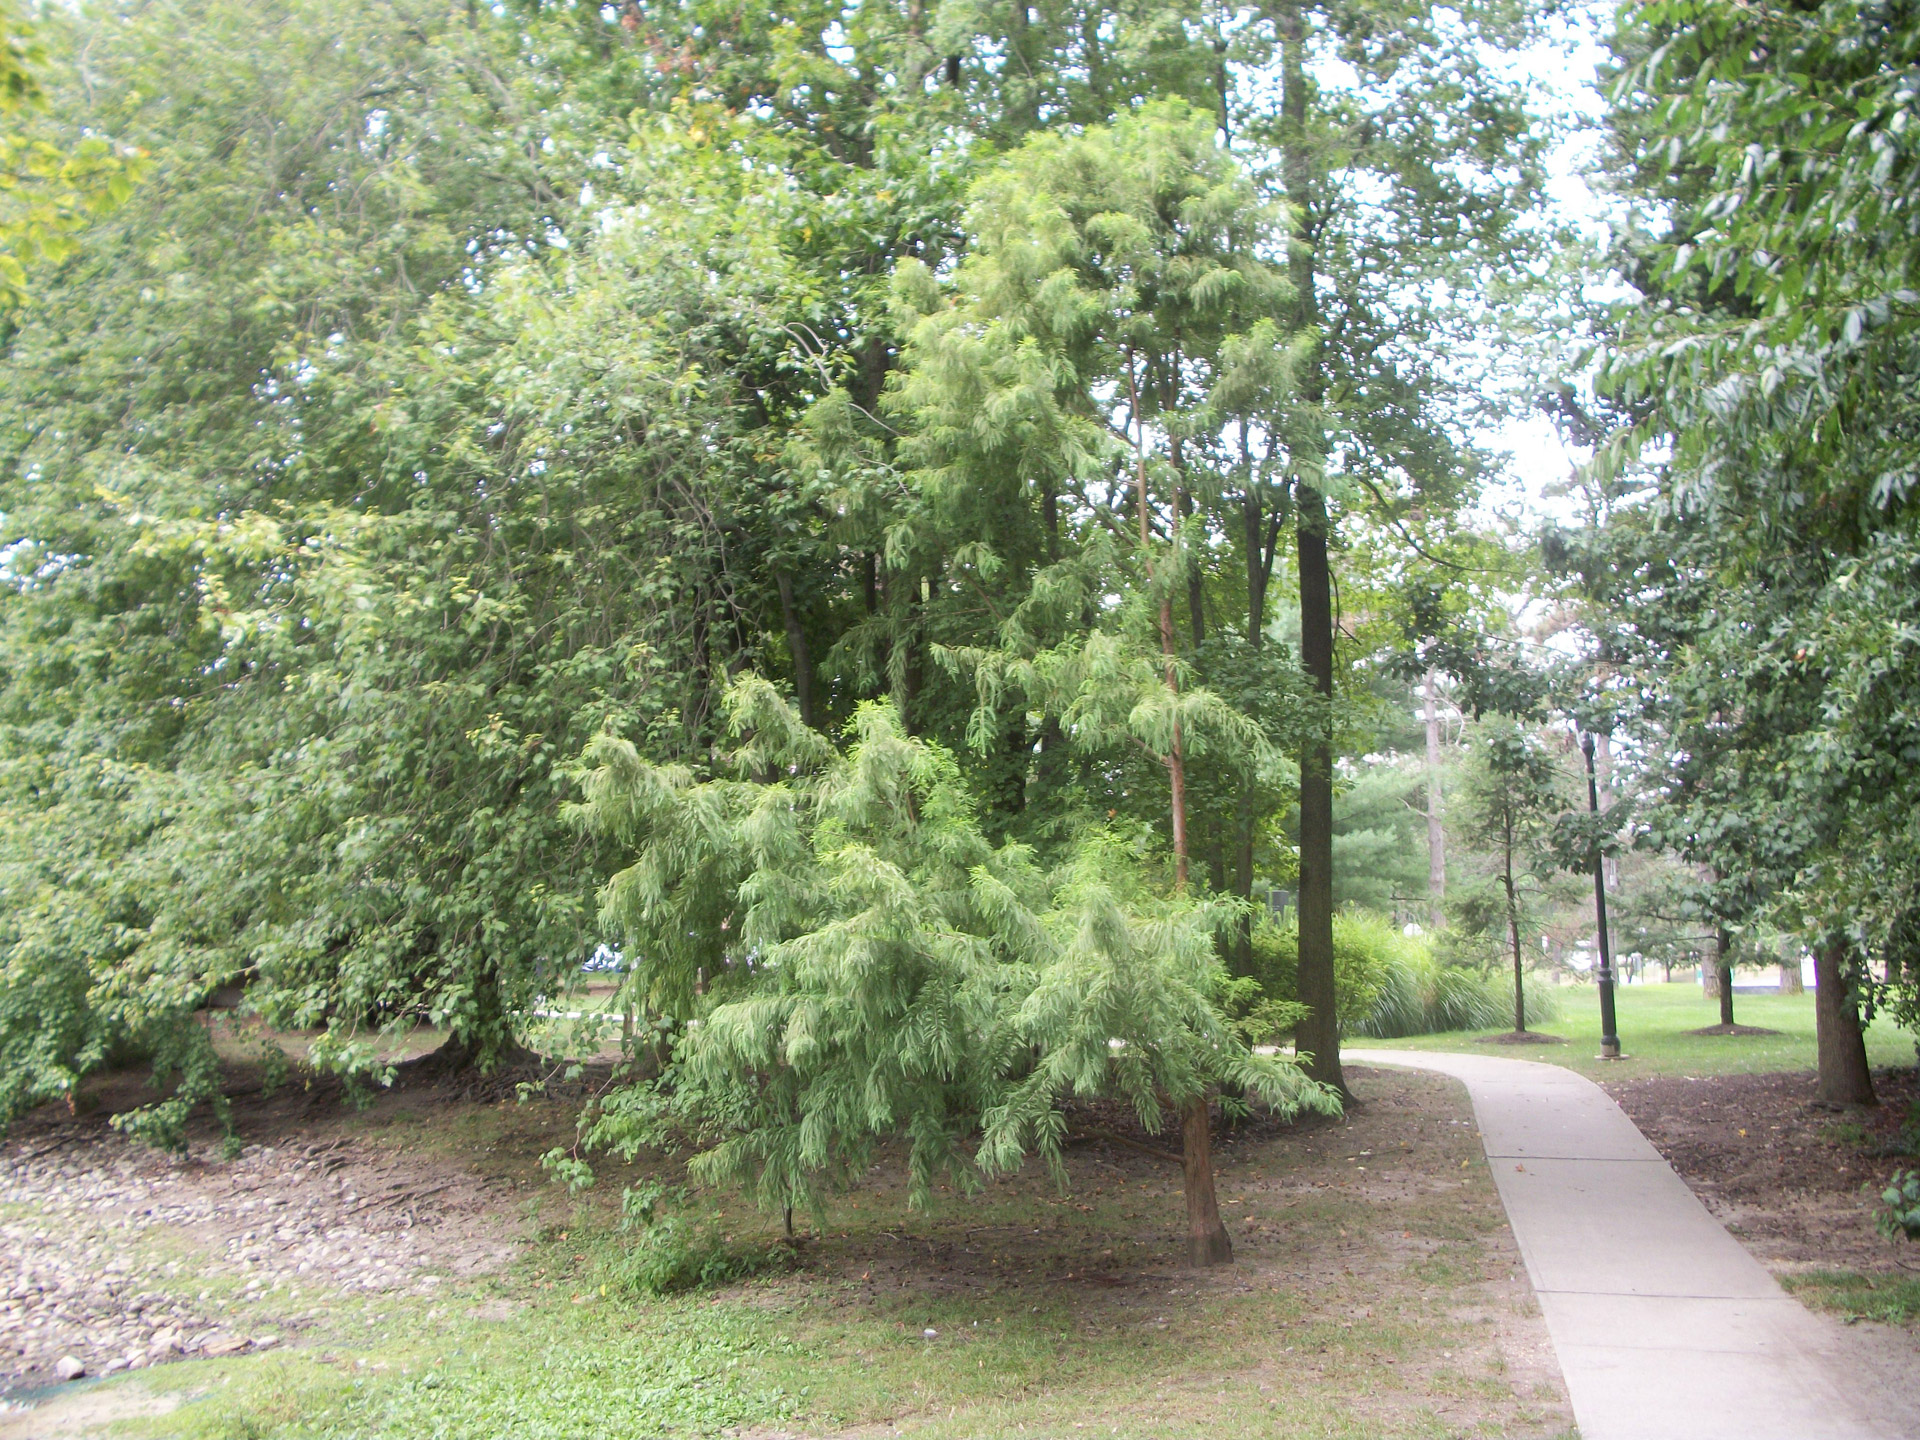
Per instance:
x=1655, y=1022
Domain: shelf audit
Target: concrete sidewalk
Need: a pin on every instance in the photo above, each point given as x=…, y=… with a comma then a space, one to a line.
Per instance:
x=1664, y=1325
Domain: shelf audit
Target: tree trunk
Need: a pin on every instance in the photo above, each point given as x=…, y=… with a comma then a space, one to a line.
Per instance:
x=797, y=647
x=1844, y=1076
x=1319, y=1032
x=1723, y=967
x=1207, y=1242
x=1791, y=981
x=1436, y=830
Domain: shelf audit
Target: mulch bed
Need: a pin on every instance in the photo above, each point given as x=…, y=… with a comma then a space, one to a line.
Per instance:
x=1798, y=1185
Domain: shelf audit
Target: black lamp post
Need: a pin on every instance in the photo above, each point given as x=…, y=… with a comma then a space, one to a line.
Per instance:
x=1609, y=1028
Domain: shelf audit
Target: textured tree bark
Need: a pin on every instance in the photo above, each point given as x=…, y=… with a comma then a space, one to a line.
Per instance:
x=1845, y=1078
x=1207, y=1242
x=1723, y=964
x=1791, y=981
x=1436, y=828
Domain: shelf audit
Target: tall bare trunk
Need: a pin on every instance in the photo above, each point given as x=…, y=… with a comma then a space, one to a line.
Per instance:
x=1436, y=827
x=1319, y=1033
x=1207, y=1242
x=1845, y=1078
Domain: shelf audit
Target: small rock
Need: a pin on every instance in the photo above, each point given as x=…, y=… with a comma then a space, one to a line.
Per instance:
x=69, y=1368
x=217, y=1345
x=114, y=1367
x=930, y=1333
x=265, y=1342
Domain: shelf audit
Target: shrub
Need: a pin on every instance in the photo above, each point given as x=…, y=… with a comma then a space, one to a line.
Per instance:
x=1901, y=1201
x=1420, y=996
x=1359, y=962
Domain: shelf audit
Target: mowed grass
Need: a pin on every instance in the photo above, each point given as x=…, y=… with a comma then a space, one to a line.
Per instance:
x=1373, y=1282
x=1654, y=1023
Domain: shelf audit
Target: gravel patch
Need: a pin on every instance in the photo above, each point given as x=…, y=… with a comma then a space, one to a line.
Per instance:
x=119, y=1257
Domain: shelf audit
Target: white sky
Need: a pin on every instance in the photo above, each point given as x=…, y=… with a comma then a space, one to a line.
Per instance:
x=1562, y=77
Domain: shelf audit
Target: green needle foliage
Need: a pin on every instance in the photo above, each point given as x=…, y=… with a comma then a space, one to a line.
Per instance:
x=856, y=961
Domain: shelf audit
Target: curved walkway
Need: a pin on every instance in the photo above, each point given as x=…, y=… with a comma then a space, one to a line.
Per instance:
x=1663, y=1323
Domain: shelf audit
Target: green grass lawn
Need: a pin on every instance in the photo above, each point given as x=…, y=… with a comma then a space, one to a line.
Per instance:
x=1654, y=1022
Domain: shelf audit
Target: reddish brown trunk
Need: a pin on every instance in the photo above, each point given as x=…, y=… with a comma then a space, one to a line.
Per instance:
x=1207, y=1242
x=1844, y=1076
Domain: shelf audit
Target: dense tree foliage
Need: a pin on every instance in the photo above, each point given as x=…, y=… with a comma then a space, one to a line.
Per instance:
x=907, y=526
x=1756, y=578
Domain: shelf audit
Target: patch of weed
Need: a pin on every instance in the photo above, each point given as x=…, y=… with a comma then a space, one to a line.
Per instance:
x=1891, y=1299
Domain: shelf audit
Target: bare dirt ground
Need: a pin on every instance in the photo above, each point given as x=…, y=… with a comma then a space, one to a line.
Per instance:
x=1370, y=1226
x=1373, y=1267
x=120, y=1257
x=1797, y=1185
